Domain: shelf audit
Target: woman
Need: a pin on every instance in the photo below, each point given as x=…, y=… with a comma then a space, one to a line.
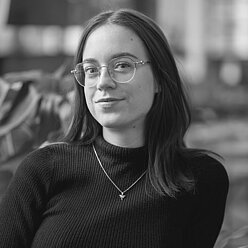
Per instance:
x=123, y=176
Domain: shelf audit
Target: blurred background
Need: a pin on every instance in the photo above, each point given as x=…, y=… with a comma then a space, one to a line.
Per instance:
x=209, y=39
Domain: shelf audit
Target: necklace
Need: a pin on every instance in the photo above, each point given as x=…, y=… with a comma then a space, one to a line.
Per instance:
x=122, y=193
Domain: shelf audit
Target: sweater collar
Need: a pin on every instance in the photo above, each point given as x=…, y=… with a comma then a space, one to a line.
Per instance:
x=135, y=158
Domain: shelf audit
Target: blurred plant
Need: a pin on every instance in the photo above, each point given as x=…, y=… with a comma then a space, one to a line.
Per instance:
x=35, y=107
x=58, y=82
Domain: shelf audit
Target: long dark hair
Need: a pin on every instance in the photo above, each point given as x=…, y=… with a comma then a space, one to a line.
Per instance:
x=169, y=116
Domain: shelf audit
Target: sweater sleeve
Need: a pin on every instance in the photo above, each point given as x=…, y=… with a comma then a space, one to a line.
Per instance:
x=24, y=200
x=210, y=201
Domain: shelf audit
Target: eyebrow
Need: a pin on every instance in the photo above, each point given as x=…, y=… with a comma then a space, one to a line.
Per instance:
x=114, y=56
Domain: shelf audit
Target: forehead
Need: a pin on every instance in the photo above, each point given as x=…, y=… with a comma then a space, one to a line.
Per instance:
x=110, y=40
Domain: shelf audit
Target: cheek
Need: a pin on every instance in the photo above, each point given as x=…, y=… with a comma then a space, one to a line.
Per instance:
x=143, y=97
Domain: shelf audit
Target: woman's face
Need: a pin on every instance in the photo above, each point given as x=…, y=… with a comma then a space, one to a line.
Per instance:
x=118, y=106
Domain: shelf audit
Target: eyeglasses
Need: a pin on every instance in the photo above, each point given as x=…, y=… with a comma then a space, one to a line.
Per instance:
x=121, y=70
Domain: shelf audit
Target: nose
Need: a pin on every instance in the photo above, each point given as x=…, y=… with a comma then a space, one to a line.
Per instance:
x=105, y=80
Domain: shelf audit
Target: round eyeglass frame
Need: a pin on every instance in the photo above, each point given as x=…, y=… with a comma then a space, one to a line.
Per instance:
x=140, y=62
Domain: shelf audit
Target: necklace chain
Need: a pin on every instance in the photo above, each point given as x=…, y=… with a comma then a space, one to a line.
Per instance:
x=122, y=195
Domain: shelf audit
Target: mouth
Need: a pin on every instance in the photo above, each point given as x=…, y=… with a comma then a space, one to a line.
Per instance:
x=108, y=100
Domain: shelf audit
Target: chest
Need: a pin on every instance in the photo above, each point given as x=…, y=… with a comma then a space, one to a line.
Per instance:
x=90, y=213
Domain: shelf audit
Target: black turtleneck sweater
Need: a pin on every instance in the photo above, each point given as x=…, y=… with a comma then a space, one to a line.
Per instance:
x=60, y=197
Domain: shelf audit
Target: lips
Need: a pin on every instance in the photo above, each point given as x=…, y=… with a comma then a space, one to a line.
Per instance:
x=107, y=100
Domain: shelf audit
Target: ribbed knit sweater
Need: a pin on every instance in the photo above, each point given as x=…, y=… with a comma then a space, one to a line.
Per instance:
x=61, y=198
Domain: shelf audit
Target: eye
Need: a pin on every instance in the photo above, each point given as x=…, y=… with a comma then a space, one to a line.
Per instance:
x=123, y=66
x=90, y=70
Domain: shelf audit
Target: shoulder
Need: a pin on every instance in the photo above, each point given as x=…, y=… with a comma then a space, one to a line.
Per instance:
x=45, y=158
x=205, y=166
x=209, y=172
x=45, y=154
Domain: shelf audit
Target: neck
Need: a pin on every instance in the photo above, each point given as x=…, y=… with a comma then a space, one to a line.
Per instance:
x=124, y=139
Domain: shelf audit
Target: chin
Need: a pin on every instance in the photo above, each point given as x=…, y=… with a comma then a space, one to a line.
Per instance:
x=111, y=124
x=111, y=121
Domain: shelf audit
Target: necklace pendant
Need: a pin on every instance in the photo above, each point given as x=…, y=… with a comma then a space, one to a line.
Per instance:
x=122, y=196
